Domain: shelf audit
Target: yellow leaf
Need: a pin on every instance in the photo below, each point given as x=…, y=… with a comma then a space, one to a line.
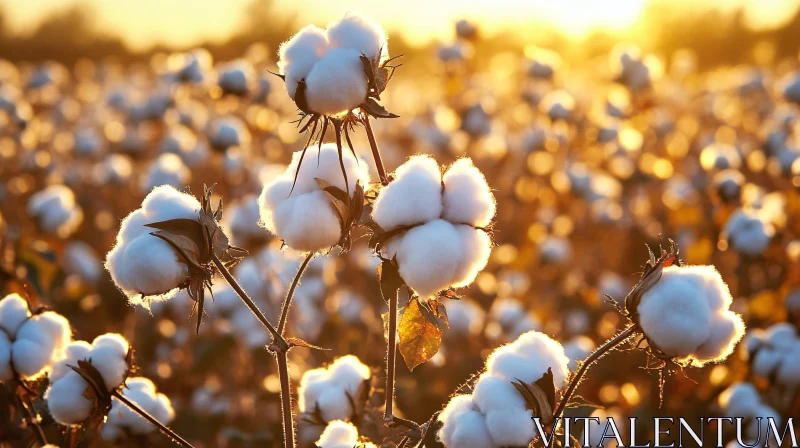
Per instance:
x=420, y=337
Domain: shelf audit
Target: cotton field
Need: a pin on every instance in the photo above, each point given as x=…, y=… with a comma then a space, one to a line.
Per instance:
x=330, y=243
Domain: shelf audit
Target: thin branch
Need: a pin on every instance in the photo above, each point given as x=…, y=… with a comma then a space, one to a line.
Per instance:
x=161, y=427
x=32, y=419
x=249, y=302
x=376, y=154
x=391, y=359
x=597, y=354
x=286, y=399
x=287, y=302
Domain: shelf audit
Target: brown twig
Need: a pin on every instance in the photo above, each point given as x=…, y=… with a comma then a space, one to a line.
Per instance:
x=286, y=399
x=376, y=154
x=32, y=419
x=391, y=359
x=161, y=427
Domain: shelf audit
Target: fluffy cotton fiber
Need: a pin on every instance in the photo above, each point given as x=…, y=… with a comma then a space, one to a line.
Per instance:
x=327, y=389
x=775, y=354
x=122, y=420
x=687, y=315
x=65, y=397
x=32, y=344
x=56, y=211
x=495, y=415
x=304, y=218
x=446, y=248
x=167, y=169
x=339, y=434
x=141, y=264
x=748, y=232
x=329, y=62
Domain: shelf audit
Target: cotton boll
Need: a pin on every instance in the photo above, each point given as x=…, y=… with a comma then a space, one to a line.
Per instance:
x=332, y=389
x=766, y=362
x=577, y=349
x=471, y=431
x=429, y=257
x=236, y=77
x=339, y=434
x=66, y=401
x=114, y=169
x=543, y=353
x=121, y=419
x=306, y=222
x=414, y=196
x=334, y=405
x=359, y=33
x=788, y=373
x=467, y=198
x=674, y=314
x=88, y=143
x=39, y=343
x=56, y=211
x=75, y=351
x=349, y=373
x=555, y=250
x=739, y=398
x=167, y=169
x=715, y=289
x=336, y=83
x=451, y=414
x=476, y=246
x=727, y=329
x=241, y=220
x=465, y=317
x=299, y=54
x=782, y=335
x=81, y=260
x=748, y=233
x=5, y=358
x=227, y=132
x=13, y=313
x=494, y=392
x=510, y=427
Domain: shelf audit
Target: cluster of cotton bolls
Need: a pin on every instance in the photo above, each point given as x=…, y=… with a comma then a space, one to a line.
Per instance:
x=339, y=434
x=329, y=392
x=774, y=353
x=67, y=397
x=446, y=245
x=143, y=266
x=743, y=400
x=30, y=344
x=56, y=211
x=328, y=63
x=496, y=414
x=294, y=207
x=122, y=420
x=686, y=315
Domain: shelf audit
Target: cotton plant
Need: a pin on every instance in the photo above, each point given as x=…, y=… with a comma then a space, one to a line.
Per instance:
x=775, y=354
x=340, y=434
x=56, y=210
x=748, y=232
x=743, y=400
x=519, y=383
x=31, y=343
x=330, y=393
x=122, y=420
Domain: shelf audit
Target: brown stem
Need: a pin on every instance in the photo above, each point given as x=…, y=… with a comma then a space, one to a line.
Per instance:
x=391, y=359
x=287, y=302
x=161, y=427
x=278, y=339
x=597, y=354
x=376, y=154
x=286, y=399
x=32, y=419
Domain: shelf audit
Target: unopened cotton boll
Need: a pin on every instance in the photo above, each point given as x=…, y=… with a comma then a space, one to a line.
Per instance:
x=167, y=169
x=331, y=389
x=55, y=210
x=141, y=264
x=748, y=232
x=122, y=419
x=303, y=217
x=686, y=315
x=339, y=434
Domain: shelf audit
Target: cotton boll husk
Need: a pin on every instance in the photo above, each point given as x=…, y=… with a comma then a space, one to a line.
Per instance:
x=510, y=427
x=13, y=313
x=577, y=349
x=414, y=196
x=75, y=351
x=167, y=169
x=739, y=398
x=467, y=198
x=39, y=343
x=727, y=329
x=674, y=314
x=65, y=399
x=429, y=257
x=336, y=83
x=359, y=33
x=299, y=54
x=5, y=357
x=471, y=431
x=493, y=392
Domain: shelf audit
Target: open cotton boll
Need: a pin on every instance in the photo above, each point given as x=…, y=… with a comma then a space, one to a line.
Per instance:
x=766, y=362
x=555, y=250
x=241, y=220
x=781, y=335
x=748, y=233
x=304, y=218
x=39, y=343
x=122, y=419
x=66, y=401
x=739, y=398
x=167, y=169
x=359, y=33
x=339, y=434
x=228, y=131
x=13, y=313
x=298, y=55
x=428, y=257
x=81, y=260
x=337, y=82
x=75, y=351
x=56, y=211
x=788, y=374
x=236, y=77
x=791, y=88
x=413, y=197
x=331, y=389
x=88, y=143
x=141, y=264
x=718, y=156
x=467, y=198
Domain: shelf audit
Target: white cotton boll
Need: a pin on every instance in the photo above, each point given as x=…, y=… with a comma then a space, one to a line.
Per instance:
x=674, y=314
x=39, y=343
x=577, y=349
x=337, y=83
x=494, y=392
x=65, y=399
x=465, y=316
x=334, y=404
x=718, y=156
x=510, y=427
x=5, y=358
x=56, y=211
x=81, y=260
x=13, y=313
x=142, y=264
x=108, y=356
x=739, y=398
x=467, y=198
x=766, y=362
x=429, y=257
x=359, y=33
x=470, y=431
x=77, y=350
x=543, y=353
x=167, y=169
x=715, y=289
x=754, y=430
x=782, y=335
x=245, y=324
x=306, y=223
x=455, y=52
x=241, y=220
x=339, y=434
x=414, y=196
x=329, y=389
x=748, y=233
x=727, y=329
x=788, y=373
x=122, y=419
x=349, y=373
x=312, y=383
x=451, y=414
x=476, y=246
x=236, y=77
x=299, y=54
x=229, y=131
x=88, y=143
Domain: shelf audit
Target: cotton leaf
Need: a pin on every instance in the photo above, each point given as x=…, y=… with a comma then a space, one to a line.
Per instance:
x=420, y=335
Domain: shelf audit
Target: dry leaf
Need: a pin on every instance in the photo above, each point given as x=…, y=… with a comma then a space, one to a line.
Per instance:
x=420, y=336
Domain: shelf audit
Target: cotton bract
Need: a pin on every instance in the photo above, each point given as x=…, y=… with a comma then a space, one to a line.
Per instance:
x=687, y=316
x=29, y=343
x=56, y=211
x=142, y=265
x=122, y=420
x=444, y=246
x=339, y=434
x=328, y=389
x=304, y=217
x=329, y=62
x=495, y=414
x=66, y=398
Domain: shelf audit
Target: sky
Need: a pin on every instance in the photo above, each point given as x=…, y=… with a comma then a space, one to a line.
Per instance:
x=143, y=23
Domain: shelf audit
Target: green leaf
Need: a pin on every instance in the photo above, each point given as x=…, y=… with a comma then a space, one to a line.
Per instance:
x=420, y=336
